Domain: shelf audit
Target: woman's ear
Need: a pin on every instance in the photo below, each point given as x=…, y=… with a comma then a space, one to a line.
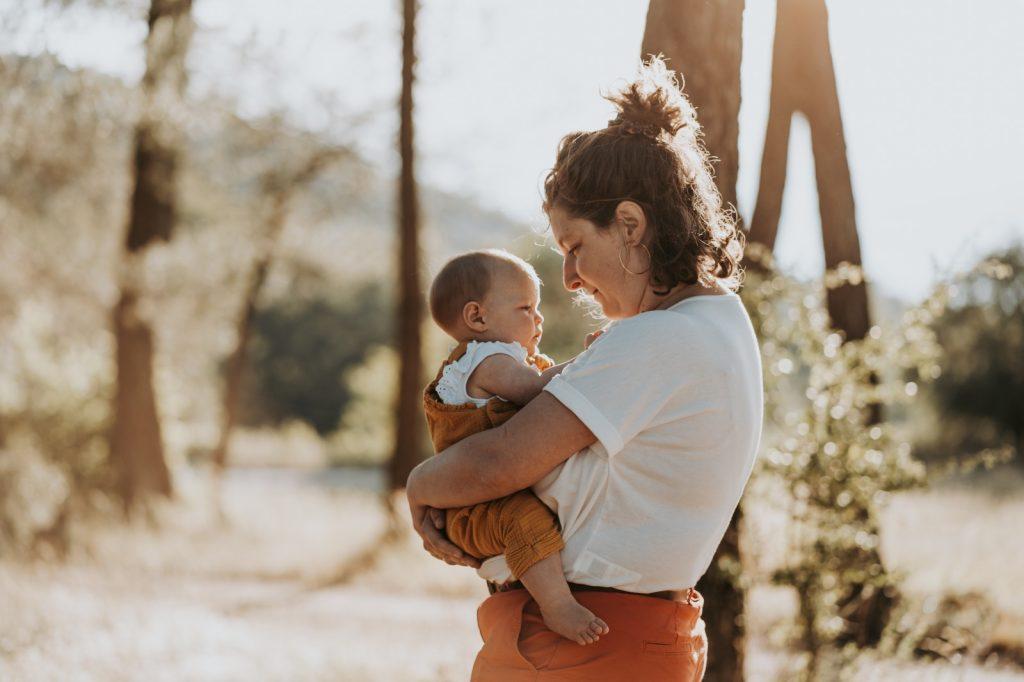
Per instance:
x=473, y=316
x=633, y=221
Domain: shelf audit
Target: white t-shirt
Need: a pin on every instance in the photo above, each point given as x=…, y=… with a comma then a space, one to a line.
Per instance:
x=675, y=400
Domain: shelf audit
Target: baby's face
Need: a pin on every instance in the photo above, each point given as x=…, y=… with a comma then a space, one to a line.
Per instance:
x=513, y=310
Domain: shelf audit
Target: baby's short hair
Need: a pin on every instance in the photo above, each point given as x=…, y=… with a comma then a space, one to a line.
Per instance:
x=468, y=277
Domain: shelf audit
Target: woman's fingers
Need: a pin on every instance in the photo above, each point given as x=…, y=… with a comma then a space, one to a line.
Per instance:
x=429, y=525
x=435, y=541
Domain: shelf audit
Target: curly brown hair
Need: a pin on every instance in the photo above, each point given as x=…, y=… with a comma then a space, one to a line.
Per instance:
x=652, y=153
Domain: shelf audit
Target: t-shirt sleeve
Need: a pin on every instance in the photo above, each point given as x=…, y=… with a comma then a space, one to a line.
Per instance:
x=621, y=383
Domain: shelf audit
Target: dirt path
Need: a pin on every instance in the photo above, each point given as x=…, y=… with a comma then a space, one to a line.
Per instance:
x=79, y=623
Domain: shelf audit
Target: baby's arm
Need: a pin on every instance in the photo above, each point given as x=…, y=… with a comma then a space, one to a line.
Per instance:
x=505, y=376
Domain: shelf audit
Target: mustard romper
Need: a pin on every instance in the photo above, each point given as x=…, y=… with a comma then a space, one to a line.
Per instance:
x=519, y=526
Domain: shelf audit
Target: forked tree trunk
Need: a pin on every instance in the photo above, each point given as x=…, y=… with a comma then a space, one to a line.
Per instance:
x=280, y=189
x=703, y=41
x=136, y=445
x=803, y=81
x=234, y=370
x=409, y=422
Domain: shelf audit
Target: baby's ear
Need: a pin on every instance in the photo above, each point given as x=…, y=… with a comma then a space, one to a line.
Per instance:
x=473, y=316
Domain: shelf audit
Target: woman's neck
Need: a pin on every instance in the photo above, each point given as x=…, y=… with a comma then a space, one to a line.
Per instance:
x=681, y=292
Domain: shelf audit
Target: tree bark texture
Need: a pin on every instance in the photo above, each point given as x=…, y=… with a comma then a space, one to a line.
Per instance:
x=409, y=423
x=136, y=443
x=803, y=81
x=703, y=42
x=136, y=446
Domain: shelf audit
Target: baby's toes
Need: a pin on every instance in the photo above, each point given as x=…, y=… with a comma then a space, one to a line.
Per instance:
x=599, y=627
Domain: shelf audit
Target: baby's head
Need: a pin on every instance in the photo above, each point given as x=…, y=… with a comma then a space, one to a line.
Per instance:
x=488, y=295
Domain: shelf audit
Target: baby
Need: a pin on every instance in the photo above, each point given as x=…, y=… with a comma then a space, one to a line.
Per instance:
x=488, y=302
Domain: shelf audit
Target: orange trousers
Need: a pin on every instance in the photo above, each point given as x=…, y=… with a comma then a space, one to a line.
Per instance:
x=651, y=639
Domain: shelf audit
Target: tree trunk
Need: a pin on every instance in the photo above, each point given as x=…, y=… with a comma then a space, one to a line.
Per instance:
x=409, y=420
x=233, y=372
x=136, y=446
x=703, y=41
x=803, y=80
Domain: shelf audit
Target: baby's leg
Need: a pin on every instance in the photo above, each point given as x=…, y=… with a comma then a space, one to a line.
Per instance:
x=562, y=613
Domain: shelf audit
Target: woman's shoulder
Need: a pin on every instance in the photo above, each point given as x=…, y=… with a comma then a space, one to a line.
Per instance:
x=689, y=328
x=653, y=325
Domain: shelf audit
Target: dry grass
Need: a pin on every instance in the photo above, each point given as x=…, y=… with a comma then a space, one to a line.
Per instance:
x=195, y=600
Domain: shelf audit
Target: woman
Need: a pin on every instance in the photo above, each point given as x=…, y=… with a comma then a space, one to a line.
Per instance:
x=643, y=444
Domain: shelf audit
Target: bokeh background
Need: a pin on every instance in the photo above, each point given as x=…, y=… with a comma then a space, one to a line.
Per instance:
x=217, y=220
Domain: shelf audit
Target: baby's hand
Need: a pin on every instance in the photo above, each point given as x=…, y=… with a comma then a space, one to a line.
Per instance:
x=591, y=337
x=540, y=361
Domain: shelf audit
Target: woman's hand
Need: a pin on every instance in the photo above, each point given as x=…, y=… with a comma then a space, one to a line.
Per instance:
x=429, y=525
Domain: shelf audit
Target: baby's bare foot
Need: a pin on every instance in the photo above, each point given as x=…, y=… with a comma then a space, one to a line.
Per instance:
x=572, y=620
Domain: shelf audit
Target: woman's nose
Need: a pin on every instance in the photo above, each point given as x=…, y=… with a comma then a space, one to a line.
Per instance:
x=570, y=279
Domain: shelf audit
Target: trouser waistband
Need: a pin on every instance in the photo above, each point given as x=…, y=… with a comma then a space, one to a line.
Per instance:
x=684, y=595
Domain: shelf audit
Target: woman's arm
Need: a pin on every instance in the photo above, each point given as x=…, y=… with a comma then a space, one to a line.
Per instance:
x=489, y=465
x=502, y=460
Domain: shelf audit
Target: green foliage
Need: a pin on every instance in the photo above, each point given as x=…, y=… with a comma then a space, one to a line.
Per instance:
x=55, y=389
x=821, y=395
x=54, y=412
x=301, y=348
x=366, y=433
x=823, y=440
x=982, y=336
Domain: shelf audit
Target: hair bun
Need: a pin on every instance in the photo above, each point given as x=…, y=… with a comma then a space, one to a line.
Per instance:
x=653, y=103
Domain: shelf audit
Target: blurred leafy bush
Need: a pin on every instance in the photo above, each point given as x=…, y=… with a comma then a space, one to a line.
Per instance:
x=822, y=393
x=366, y=433
x=980, y=396
x=839, y=463
x=303, y=345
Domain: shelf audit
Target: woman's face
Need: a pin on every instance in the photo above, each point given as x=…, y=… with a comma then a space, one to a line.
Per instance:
x=590, y=263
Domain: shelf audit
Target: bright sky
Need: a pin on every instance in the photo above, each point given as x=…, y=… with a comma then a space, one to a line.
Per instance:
x=931, y=94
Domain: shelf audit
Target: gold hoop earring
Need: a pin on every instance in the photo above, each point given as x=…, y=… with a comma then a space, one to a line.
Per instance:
x=649, y=260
